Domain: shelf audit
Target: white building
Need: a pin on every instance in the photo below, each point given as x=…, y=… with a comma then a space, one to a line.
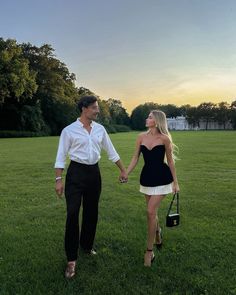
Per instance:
x=180, y=123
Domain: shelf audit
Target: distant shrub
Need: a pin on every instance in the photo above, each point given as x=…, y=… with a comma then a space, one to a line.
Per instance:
x=109, y=128
x=116, y=128
x=121, y=128
x=16, y=133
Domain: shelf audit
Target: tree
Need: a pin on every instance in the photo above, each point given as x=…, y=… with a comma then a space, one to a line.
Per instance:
x=184, y=109
x=17, y=84
x=222, y=113
x=84, y=91
x=171, y=110
x=56, y=93
x=193, y=116
x=31, y=118
x=117, y=112
x=140, y=113
x=206, y=112
x=104, y=116
x=233, y=114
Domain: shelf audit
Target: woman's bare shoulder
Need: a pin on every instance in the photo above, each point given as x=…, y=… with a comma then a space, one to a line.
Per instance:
x=165, y=138
x=141, y=136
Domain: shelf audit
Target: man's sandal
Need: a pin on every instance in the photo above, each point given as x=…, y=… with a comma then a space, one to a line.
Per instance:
x=70, y=270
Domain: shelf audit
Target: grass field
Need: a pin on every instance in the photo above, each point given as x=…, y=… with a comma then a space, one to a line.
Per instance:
x=198, y=257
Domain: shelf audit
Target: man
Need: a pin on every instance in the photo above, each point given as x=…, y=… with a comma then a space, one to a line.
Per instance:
x=83, y=141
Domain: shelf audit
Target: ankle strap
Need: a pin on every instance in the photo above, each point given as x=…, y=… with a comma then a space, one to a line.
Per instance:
x=149, y=250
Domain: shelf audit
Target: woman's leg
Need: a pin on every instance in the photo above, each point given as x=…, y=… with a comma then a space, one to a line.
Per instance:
x=158, y=239
x=153, y=203
x=152, y=206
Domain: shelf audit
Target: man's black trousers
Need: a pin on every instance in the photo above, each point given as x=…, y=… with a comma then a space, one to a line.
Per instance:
x=83, y=185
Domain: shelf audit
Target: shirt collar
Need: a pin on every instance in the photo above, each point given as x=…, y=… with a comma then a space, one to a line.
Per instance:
x=82, y=125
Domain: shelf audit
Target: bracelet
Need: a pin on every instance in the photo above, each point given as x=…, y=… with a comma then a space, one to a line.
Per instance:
x=58, y=178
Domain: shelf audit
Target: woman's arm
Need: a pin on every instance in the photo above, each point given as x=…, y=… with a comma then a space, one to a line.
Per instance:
x=136, y=155
x=170, y=161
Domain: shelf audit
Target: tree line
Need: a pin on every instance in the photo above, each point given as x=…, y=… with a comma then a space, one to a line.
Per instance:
x=38, y=95
x=222, y=113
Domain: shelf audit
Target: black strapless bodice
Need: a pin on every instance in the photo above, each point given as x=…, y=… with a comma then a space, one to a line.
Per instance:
x=155, y=171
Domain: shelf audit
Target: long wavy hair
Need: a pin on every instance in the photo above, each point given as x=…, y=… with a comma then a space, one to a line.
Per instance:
x=162, y=127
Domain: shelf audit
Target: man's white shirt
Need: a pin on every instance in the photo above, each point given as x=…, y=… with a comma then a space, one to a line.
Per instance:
x=84, y=147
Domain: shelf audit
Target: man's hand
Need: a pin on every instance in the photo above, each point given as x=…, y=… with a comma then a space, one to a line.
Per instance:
x=123, y=177
x=59, y=188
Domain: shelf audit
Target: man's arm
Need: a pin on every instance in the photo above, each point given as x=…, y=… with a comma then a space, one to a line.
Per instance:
x=63, y=148
x=59, y=183
x=113, y=156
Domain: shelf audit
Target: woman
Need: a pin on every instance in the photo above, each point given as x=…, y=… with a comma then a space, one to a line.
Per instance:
x=157, y=179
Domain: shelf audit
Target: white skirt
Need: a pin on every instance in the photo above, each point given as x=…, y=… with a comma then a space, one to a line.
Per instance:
x=156, y=190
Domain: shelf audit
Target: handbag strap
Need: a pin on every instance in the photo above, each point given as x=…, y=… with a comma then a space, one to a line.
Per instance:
x=177, y=199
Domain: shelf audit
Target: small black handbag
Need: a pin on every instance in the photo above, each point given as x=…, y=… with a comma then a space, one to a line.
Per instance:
x=174, y=218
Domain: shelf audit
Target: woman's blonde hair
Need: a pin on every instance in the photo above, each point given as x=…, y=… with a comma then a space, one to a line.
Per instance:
x=161, y=125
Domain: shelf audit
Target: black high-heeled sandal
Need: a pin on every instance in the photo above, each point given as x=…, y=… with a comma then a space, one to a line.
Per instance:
x=152, y=259
x=159, y=232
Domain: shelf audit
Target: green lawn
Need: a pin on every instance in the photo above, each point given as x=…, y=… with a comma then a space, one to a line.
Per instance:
x=197, y=257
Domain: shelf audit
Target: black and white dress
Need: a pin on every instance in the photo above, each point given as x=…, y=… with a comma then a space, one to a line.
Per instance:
x=156, y=177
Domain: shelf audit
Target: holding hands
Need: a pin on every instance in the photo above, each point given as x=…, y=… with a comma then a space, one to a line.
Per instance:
x=123, y=178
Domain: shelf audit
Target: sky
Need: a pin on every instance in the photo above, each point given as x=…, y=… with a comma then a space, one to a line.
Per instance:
x=137, y=51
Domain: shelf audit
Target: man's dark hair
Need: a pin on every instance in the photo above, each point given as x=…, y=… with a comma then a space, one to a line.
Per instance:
x=86, y=101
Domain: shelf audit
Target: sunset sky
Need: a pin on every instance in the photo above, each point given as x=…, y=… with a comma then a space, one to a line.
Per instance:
x=164, y=51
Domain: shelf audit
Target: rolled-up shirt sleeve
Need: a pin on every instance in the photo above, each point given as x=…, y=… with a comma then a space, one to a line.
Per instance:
x=109, y=148
x=63, y=148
